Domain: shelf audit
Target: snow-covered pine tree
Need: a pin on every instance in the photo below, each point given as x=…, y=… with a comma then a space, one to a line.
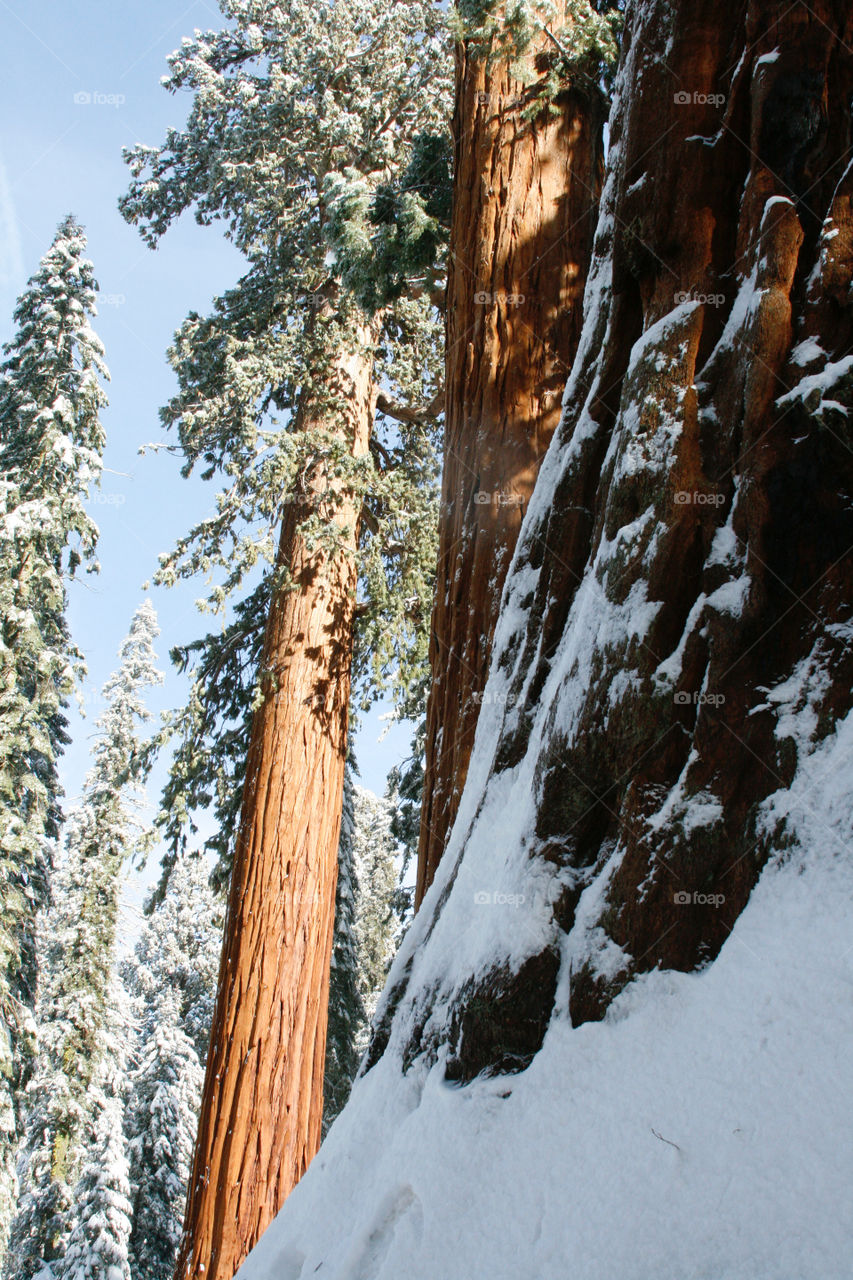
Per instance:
x=98, y=1245
x=75, y=1007
x=161, y=1128
x=300, y=138
x=366, y=935
x=171, y=981
x=347, y=1022
x=51, y=441
x=375, y=857
x=404, y=794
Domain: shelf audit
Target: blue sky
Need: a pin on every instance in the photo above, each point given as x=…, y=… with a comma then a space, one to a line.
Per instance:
x=77, y=83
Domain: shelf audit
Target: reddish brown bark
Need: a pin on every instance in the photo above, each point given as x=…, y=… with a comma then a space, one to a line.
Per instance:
x=692, y=569
x=263, y=1093
x=525, y=198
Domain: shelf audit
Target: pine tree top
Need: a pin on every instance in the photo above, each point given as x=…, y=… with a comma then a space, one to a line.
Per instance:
x=51, y=397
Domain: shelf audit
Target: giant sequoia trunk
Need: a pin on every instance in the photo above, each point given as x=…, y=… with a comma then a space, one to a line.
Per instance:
x=525, y=198
x=679, y=605
x=262, y=1104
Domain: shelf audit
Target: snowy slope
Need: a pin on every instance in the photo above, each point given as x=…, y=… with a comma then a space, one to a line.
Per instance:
x=567, y=1172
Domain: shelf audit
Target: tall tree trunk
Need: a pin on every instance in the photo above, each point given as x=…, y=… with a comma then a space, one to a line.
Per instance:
x=263, y=1094
x=525, y=200
x=674, y=649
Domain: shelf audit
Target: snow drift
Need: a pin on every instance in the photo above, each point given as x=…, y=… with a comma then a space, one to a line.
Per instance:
x=701, y=1131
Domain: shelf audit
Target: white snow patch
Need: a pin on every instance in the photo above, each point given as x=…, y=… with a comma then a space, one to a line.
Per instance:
x=692, y=811
x=731, y=596
x=587, y=944
x=812, y=390
x=726, y=548
x=807, y=351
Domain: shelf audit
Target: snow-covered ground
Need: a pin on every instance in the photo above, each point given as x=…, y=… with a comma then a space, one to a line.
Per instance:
x=703, y=1131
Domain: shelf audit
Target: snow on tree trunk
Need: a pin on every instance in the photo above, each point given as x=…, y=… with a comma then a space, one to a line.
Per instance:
x=262, y=1103
x=682, y=584
x=525, y=199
